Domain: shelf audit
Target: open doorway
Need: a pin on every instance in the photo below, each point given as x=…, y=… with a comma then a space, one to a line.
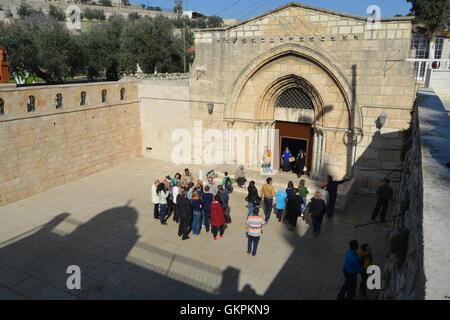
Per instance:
x=294, y=145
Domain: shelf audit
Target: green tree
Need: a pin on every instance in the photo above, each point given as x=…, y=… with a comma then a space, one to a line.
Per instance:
x=214, y=22
x=133, y=16
x=106, y=3
x=126, y=2
x=151, y=43
x=41, y=46
x=25, y=10
x=101, y=49
x=57, y=13
x=433, y=15
x=178, y=9
x=8, y=13
x=94, y=14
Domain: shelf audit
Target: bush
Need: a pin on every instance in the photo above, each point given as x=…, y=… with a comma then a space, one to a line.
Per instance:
x=106, y=3
x=94, y=14
x=399, y=246
x=57, y=13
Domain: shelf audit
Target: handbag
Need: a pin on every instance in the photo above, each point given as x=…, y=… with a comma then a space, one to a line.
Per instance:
x=291, y=159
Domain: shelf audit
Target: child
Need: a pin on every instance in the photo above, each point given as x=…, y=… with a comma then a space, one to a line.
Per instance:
x=366, y=258
x=227, y=183
x=280, y=206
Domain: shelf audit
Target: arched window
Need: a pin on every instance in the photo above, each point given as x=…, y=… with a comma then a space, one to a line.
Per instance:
x=31, y=104
x=122, y=94
x=59, y=101
x=83, y=98
x=2, y=107
x=104, y=95
x=294, y=98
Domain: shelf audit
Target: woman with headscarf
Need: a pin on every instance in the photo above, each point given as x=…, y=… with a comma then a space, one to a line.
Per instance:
x=252, y=197
x=239, y=176
x=293, y=208
x=185, y=215
x=300, y=163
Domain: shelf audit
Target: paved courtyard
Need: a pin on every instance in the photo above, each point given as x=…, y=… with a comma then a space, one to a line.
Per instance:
x=104, y=224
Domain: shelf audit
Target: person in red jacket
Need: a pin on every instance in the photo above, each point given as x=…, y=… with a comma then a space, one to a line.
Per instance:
x=217, y=218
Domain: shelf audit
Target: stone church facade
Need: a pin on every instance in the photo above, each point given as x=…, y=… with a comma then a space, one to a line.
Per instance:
x=326, y=82
x=346, y=72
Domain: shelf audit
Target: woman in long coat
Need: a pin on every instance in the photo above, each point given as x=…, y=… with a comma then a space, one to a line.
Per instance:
x=300, y=163
x=293, y=208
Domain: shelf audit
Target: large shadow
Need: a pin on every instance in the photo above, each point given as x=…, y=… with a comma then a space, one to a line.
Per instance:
x=34, y=266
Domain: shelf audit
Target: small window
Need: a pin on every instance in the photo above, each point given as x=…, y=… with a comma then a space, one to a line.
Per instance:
x=122, y=94
x=104, y=94
x=59, y=101
x=2, y=107
x=31, y=104
x=83, y=98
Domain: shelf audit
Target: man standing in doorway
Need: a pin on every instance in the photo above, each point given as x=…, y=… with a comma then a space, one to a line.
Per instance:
x=384, y=193
x=268, y=193
x=332, y=187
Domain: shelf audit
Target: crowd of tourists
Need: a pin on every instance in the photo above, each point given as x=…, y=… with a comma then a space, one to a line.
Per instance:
x=195, y=205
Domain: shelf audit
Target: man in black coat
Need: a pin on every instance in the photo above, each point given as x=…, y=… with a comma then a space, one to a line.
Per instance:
x=317, y=209
x=332, y=187
x=185, y=215
x=384, y=193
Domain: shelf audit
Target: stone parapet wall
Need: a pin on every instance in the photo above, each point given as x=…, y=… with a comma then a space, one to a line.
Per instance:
x=418, y=261
x=49, y=147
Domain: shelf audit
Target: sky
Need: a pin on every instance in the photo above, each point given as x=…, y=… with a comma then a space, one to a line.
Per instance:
x=244, y=9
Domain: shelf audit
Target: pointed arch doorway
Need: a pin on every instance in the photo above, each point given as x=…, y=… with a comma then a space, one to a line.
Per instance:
x=295, y=104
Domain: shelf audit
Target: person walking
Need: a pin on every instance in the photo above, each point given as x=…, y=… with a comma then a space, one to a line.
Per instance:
x=252, y=197
x=290, y=188
x=196, y=203
x=163, y=193
x=224, y=199
x=212, y=186
x=185, y=214
x=384, y=193
x=293, y=208
x=286, y=160
x=239, y=176
x=155, y=199
x=303, y=192
x=217, y=218
x=332, y=187
x=208, y=198
x=254, y=231
x=317, y=209
x=267, y=194
x=352, y=266
x=227, y=183
x=280, y=205
x=300, y=163
x=175, y=191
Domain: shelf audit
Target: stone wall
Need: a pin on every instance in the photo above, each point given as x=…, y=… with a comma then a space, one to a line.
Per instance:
x=49, y=147
x=359, y=73
x=417, y=264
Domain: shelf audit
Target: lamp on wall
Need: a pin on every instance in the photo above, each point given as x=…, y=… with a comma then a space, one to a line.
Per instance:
x=381, y=120
x=210, y=107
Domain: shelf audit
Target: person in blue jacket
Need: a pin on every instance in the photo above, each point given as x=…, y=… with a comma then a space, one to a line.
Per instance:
x=286, y=164
x=332, y=187
x=352, y=267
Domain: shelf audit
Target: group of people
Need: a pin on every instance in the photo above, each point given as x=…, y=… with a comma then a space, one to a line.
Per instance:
x=292, y=202
x=356, y=262
x=295, y=164
x=192, y=204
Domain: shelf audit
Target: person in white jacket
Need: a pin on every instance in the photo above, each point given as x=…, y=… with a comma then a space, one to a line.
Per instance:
x=163, y=193
x=155, y=199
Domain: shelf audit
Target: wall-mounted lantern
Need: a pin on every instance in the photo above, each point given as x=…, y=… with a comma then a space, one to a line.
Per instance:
x=210, y=107
x=381, y=120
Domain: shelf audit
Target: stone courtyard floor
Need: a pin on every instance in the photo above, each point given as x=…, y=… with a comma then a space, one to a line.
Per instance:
x=104, y=224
